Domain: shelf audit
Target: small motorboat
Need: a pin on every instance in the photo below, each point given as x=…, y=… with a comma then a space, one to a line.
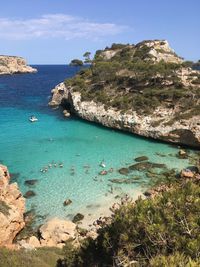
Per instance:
x=102, y=164
x=33, y=119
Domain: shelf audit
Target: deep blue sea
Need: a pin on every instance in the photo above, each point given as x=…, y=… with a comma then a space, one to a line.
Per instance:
x=26, y=148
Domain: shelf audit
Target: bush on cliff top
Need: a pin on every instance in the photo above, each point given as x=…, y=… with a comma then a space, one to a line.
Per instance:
x=130, y=77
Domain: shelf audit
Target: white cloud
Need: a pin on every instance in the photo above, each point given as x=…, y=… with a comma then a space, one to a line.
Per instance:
x=56, y=26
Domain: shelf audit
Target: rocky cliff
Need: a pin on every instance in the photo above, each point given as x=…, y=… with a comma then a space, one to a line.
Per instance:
x=12, y=64
x=12, y=208
x=145, y=89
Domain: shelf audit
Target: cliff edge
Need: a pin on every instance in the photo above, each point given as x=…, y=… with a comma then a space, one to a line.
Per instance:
x=144, y=89
x=12, y=208
x=12, y=64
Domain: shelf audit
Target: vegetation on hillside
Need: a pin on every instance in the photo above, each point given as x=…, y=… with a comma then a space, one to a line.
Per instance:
x=43, y=257
x=132, y=80
x=153, y=232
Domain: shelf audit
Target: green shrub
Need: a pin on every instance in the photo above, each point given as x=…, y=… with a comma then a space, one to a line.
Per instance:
x=175, y=260
x=149, y=232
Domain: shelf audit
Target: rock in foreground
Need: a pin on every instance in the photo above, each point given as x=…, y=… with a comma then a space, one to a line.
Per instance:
x=56, y=231
x=12, y=208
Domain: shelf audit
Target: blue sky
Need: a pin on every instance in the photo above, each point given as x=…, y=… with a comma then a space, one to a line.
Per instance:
x=56, y=31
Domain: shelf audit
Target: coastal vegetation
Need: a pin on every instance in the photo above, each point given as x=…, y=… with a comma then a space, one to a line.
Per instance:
x=42, y=257
x=130, y=77
x=151, y=232
x=76, y=62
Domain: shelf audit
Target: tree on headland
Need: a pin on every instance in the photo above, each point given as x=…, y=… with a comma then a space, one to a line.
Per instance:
x=87, y=57
x=76, y=62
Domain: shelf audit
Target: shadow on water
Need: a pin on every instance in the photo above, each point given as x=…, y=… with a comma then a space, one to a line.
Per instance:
x=14, y=176
x=133, y=135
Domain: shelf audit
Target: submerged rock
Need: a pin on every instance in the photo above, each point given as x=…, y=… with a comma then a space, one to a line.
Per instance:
x=145, y=166
x=78, y=217
x=142, y=158
x=31, y=182
x=124, y=171
x=29, y=194
x=125, y=180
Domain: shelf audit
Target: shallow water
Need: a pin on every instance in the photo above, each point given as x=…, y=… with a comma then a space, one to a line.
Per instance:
x=26, y=148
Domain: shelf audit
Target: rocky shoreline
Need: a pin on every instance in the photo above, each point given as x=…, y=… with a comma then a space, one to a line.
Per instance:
x=119, y=91
x=55, y=232
x=185, y=132
x=12, y=64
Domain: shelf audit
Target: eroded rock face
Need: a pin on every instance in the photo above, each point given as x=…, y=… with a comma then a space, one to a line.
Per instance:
x=12, y=208
x=56, y=231
x=170, y=120
x=12, y=64
x=185, y=131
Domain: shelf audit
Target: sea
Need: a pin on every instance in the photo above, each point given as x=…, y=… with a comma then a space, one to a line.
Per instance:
x=65, y=155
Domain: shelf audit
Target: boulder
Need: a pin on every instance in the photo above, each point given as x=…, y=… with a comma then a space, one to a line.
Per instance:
x=55, y=232
x=33, y=241
x=66, y=113
x=186, y=173
x=182, y=154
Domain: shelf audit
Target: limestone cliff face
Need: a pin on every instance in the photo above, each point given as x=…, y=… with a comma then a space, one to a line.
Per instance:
x=12, y=64
x=144, y=89
x=12, y=208
x=185, y=132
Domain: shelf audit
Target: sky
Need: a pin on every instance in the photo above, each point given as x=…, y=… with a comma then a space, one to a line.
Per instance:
x=57, y=31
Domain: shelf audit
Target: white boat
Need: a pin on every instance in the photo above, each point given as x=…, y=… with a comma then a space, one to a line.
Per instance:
x=102, y=164
x=33, y=119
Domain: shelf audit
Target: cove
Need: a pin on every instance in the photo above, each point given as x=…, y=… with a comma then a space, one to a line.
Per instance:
x=70, y=149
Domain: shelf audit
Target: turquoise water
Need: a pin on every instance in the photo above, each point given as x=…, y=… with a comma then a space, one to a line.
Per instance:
x=26, y=148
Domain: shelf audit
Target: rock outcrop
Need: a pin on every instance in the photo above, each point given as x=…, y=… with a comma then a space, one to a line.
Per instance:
x=185, y=131
x=55, y=232
x=12, y=64
x=12, y=208
x=171, y=119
